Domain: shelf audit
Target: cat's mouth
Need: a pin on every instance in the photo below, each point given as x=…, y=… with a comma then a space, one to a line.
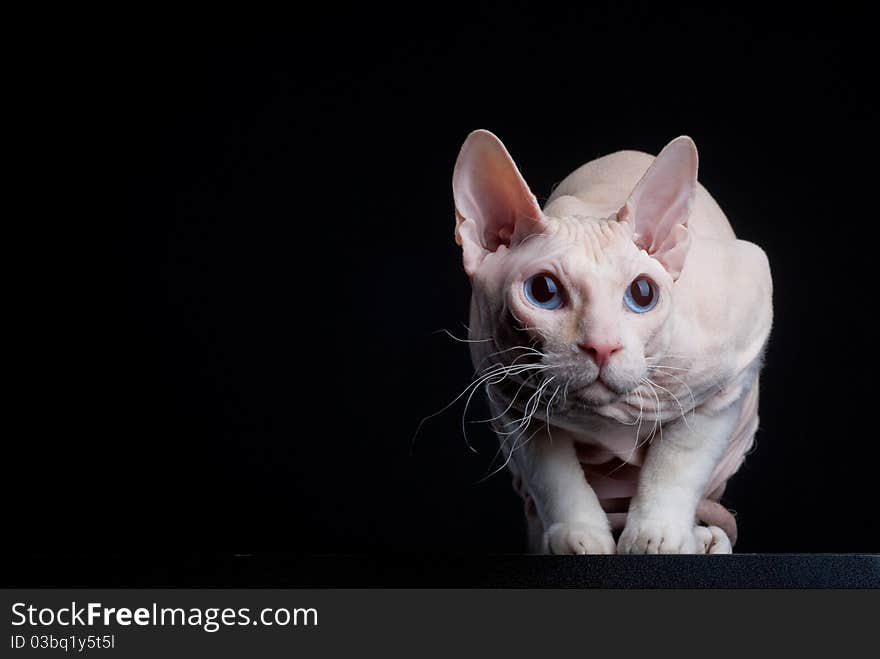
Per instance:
x=599, y=392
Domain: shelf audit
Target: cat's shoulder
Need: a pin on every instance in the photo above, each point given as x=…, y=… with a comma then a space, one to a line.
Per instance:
x=731, y=257
x=749, y=261
x=727, y=289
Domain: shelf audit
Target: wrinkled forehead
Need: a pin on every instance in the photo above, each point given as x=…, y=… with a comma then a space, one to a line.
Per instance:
x=594, y=239
x=578, y=243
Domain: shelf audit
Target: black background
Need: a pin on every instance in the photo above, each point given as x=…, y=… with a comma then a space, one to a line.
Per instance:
x=250, y=370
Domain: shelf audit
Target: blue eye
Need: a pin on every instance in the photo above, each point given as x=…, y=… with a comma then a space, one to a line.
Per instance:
x=641, y=295
x=543, y=291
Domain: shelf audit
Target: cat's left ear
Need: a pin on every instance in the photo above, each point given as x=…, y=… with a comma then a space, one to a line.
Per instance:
x=661, y=203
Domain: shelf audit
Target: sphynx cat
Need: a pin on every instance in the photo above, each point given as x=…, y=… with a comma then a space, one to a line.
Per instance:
x=619, y=333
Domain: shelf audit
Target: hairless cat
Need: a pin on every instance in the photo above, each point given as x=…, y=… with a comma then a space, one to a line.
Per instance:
x=619, y=333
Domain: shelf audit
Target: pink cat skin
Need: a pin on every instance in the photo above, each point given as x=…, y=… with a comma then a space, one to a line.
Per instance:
x=619, y=334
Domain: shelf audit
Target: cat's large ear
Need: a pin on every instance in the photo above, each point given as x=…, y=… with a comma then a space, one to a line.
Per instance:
x=661, y=203
x=493, y=204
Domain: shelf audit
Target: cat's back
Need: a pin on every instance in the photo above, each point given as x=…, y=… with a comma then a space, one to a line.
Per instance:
x=604, y=184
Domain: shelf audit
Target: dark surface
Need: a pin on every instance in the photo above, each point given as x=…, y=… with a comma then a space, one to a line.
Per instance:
x=449, y=571
x=247, y=371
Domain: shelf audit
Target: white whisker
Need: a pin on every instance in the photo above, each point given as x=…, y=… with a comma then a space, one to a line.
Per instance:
x=455, y=338
x=677, y=402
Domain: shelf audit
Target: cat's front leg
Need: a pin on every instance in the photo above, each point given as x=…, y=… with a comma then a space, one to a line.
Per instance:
x=678, y=467
x=573, y=519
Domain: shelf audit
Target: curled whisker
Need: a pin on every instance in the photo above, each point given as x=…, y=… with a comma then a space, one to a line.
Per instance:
x=677, y=402
x=452, y=336
x=508, y=371
x=537, y=371
x=529, y=411
x=683, y=383
x=494, y=372
x=658, y=421
x=547, y=415
x=530, y=352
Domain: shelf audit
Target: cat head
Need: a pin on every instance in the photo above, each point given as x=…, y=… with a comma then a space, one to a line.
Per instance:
x=593, y=295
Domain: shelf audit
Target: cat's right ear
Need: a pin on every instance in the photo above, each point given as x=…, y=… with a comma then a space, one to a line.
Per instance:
x=493, y=204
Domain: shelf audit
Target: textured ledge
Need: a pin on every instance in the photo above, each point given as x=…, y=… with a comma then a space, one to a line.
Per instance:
x=267, y=570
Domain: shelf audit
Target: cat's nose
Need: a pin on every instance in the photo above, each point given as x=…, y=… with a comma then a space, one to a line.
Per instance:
x=600, y=351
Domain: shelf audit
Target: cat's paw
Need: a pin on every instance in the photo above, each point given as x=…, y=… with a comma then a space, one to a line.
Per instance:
x=712, y=540
x=578, y=538
x=650, y=536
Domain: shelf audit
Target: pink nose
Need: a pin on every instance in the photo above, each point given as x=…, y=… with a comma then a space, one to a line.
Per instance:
x=600, y=352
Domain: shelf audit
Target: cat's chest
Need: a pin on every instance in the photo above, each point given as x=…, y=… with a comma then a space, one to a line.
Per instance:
x=598, y=439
